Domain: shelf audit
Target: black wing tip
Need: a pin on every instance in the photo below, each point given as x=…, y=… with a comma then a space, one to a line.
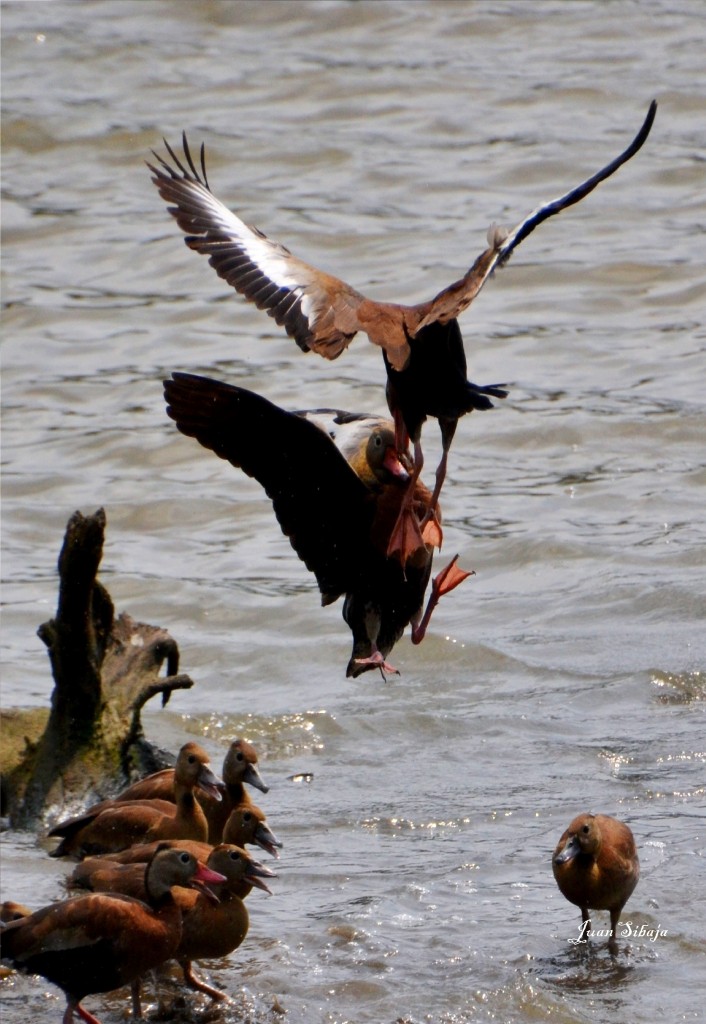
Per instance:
x=644, y=131
x=177, y=170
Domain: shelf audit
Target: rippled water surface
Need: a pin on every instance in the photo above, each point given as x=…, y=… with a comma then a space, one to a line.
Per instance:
x=379, y=140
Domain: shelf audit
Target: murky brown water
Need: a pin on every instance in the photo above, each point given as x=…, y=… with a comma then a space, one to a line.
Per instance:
x=379, y=141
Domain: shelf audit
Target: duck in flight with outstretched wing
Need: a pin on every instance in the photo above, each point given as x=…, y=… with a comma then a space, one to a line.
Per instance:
x=422, y=344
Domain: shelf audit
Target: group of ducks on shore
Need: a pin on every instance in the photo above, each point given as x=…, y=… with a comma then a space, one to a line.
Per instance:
x=165, y=873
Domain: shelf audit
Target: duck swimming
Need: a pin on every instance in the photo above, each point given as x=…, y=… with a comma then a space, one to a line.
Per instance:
x=337, y=495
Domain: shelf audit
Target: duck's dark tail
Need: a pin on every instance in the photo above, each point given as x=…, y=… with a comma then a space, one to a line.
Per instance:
x=478, y=394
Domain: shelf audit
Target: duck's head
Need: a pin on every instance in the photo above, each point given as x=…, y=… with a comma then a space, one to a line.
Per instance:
x=379, y=461
x=240, y=765
x=239, y=867
x=172, y=866
x=583, y=836
x=193, y=770
x=247, y=825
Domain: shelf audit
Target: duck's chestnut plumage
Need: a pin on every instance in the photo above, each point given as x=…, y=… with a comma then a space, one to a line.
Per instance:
x=239, y=767
x=100, y=942
x=596, y=866
x=337, y=510
x=113, y=825
x=210, y=927
x=246, y=826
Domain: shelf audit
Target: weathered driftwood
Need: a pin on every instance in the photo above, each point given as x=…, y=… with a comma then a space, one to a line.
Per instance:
x=105, y=670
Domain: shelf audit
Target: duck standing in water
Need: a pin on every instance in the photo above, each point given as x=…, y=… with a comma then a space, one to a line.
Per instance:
x=212, y=930
x=100, y=942
x=422, y=344
x=596, y=867
x=239, y=767
x=246, y=826
x=210, y=927
x=337, y=491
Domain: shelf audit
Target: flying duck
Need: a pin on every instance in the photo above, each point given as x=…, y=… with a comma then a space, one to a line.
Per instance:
x=337, y=493
x=421, y=344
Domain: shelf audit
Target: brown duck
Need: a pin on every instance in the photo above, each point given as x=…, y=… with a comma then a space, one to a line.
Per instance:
x=114, y=825
x=596, y=866
x=100, y=942
x=337, y=484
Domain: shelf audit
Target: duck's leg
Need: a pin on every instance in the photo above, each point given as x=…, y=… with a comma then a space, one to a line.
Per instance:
x=430, y=526
x=83, y=1013
x=612, y=941
x=136, y=992
x=363, y=618
x=447, y=580
x=407, y=537
x=200, y=986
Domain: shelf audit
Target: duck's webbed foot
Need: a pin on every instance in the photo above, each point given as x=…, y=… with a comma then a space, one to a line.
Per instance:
x=406, y=537
x=376, y=660
x=447, y=580
x=432, y=534
x=415, y=527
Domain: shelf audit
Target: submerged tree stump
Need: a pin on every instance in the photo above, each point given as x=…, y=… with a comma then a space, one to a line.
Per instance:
x=105, y=670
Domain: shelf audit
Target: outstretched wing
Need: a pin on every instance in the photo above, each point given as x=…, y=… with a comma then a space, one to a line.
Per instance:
x=321, y=505
x=450, y=302
x=316, y=309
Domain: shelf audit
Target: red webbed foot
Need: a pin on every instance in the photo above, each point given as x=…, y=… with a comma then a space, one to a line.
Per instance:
x=406, y=537
x=432, y=534
x=447, y=580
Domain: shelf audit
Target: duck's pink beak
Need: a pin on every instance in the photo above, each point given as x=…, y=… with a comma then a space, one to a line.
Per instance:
x=394, y=467
x=201, y=879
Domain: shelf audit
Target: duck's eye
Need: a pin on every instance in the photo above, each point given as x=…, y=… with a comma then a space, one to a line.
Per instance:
x=184, y=858
x=192, y=759
x=585, y=830
x=377, y=441
x=247, y=816
x=239, y=755
x=234, y=856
